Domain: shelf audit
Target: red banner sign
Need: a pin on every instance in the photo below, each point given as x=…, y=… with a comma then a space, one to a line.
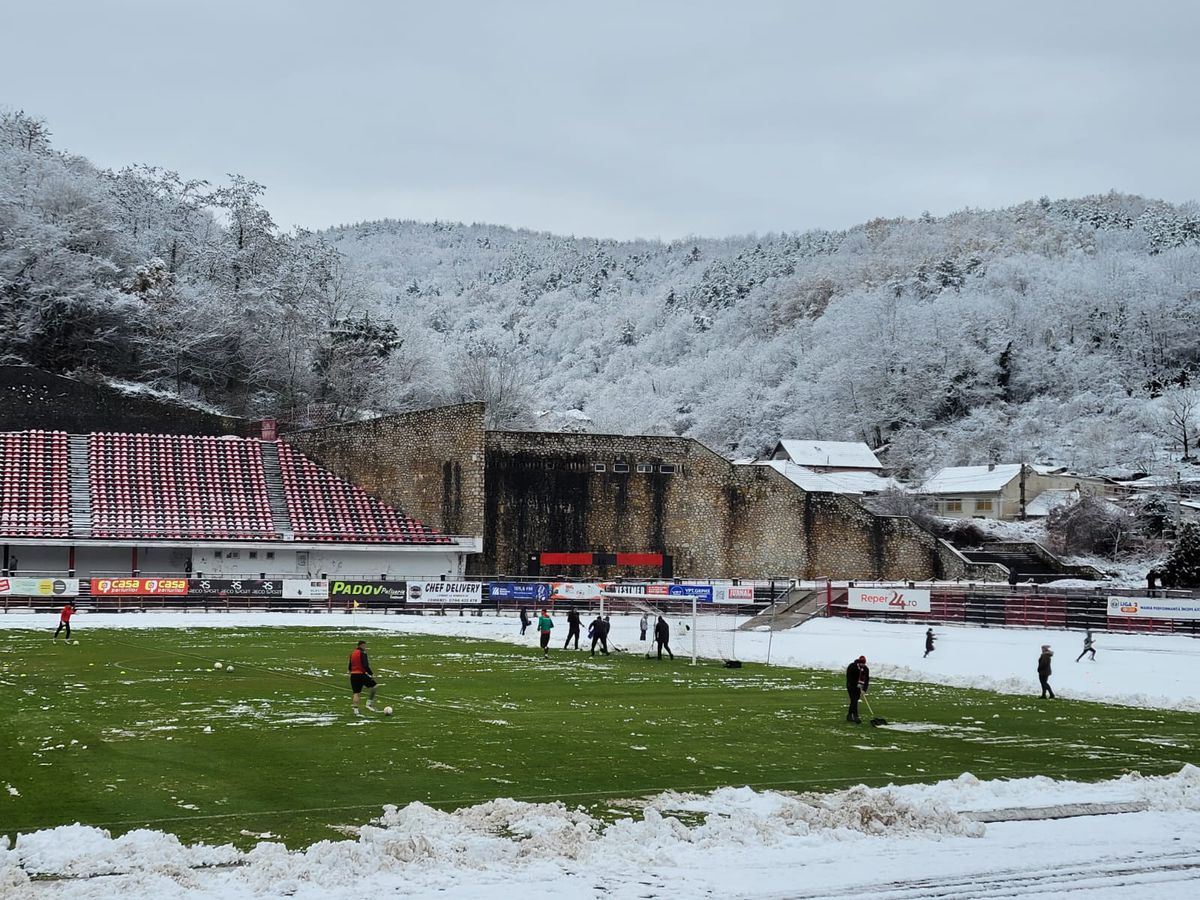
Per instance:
x=139, y=587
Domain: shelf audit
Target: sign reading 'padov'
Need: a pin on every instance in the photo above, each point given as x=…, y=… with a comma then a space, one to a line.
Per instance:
x=889, y=599
x=445, y=592
x=367, y=591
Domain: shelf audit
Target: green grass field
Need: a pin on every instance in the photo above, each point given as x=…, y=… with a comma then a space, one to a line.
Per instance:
x=135, y=729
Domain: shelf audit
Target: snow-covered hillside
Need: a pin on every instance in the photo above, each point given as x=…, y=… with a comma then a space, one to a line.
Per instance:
x=1052, y=331
x=1037, y=332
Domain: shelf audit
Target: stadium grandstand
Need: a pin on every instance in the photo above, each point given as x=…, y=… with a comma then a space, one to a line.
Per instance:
x=114, y=505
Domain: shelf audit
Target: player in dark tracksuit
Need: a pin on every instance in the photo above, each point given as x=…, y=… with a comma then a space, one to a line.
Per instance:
x=662, y=637
x=928, y=641
x=361, y=677
x=572, y=628
x=1044, y=671
x=858, y=679
x=598, y=632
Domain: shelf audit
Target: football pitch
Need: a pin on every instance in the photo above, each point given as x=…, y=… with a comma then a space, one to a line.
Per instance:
x=137, y=729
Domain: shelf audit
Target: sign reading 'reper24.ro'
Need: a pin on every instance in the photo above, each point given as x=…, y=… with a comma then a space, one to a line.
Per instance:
x=889, y=599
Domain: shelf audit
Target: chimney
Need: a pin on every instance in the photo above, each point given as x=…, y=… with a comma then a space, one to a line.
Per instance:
x=991, y=467
x=269, y=431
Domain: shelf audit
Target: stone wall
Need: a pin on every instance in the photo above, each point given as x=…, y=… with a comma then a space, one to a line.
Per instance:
x=545, y=493
x=428, y=463
x=532, y=492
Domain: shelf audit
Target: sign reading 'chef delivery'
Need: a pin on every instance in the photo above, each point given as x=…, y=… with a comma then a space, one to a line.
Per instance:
x=889, y=599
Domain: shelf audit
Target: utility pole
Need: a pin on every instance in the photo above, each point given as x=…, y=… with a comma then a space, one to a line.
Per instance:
x=1022, y=491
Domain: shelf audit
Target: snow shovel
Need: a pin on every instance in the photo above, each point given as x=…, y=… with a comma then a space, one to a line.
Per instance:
x=875, y=720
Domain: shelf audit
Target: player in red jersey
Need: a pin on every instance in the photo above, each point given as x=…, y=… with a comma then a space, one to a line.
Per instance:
x=361, y=677
x=64, y=621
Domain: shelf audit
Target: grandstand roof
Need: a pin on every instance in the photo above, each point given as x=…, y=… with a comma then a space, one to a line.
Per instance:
x=161, y=487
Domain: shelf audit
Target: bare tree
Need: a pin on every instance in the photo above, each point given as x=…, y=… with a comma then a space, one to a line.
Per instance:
x=1178, y=417
x=500, y=382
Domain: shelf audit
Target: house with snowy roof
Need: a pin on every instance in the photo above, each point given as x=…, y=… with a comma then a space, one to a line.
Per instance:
x=851, y=483
x=828, y=456
x=994, y=491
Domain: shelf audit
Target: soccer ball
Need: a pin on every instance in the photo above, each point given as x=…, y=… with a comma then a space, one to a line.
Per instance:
x=229, y=668
x=218, y=665
x=387, y=710
x=77, y=643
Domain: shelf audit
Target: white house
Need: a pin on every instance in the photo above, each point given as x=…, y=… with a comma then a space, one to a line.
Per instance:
x=828, y=456
x=994, y=491
x=851, y=483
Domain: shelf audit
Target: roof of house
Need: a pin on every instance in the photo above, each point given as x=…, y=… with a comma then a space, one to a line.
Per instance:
x=843, y=454
x=970, y=479
x=1048, y=501
x=856, y=483
x=107, y=486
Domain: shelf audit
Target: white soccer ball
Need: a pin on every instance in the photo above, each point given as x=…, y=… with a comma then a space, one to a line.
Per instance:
x=217, y=665
x=387, y=710
x=229, y=668
x=77, y=643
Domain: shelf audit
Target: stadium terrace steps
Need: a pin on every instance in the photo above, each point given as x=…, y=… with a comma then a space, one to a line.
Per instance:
x=115, y=486
x=81, y=495
x=323, y=507
x=279, y=505
x=34, y=484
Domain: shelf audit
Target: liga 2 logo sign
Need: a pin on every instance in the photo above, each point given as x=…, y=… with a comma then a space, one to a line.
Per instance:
x=889, y=599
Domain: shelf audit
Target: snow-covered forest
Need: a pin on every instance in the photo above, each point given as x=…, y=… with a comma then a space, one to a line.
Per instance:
x=1058, y=330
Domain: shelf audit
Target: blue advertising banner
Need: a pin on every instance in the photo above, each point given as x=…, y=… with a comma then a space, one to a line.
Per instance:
x=702, y=592
x=535, y=592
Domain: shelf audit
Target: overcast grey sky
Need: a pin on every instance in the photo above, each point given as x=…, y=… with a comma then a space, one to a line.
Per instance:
x=654, y=119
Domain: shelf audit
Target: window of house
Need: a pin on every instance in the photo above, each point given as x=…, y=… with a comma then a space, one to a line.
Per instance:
x=254, y=554
x=233, y=554
x=983, y=505
x=270, y=554
x=621, y=467
x=645, y=467
x=953, y=505
x=217, y=554
x=599, y=467
x=667, y=468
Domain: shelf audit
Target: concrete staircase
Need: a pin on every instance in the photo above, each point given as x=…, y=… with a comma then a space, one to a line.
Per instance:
x=81, y=492
x=280, y=520
x=794, y=608
x=1031, y=562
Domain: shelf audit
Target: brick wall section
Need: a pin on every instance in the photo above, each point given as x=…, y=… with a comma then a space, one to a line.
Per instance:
x=715, y=519
x=428, y=463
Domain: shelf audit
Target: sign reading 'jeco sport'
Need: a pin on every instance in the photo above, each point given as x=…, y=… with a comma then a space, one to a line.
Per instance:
x=889, y=599
x=445, y=592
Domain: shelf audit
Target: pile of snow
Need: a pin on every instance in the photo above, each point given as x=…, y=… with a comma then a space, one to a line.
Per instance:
x=420, y=846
